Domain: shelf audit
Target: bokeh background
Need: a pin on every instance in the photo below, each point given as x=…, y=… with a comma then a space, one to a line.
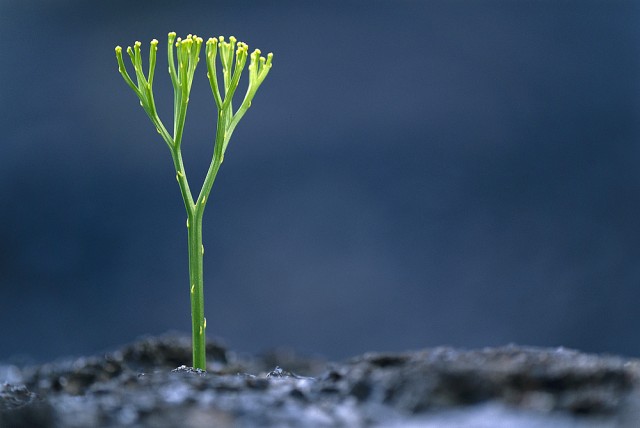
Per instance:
x=411, y=174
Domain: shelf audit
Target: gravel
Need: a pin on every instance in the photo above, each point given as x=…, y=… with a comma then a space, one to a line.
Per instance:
x=145, y=384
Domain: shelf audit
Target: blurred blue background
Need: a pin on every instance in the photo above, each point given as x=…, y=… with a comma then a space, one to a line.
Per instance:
x=411, y=174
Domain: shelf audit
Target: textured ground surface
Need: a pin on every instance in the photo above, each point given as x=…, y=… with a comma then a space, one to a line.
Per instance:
x=141, y=385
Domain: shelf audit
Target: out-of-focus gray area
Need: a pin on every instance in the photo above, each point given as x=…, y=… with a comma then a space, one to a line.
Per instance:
x=411, y=174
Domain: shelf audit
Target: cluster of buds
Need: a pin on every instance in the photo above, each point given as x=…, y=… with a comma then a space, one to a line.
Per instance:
x=233, y=57
x=188, y=52
x=259, y=67
x=144, y=85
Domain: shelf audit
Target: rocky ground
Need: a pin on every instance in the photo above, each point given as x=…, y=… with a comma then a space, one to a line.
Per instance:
x=143, y=385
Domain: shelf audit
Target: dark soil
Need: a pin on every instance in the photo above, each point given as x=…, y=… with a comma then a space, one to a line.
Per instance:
x=146, y=385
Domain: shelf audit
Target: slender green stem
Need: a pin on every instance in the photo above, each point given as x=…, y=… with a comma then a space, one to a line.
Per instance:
x=198, y=321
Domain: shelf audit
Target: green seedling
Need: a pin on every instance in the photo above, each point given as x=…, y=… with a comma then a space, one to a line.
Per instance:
x=233, y=57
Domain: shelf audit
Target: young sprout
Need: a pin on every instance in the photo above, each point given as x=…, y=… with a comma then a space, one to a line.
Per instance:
x=183, y=56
